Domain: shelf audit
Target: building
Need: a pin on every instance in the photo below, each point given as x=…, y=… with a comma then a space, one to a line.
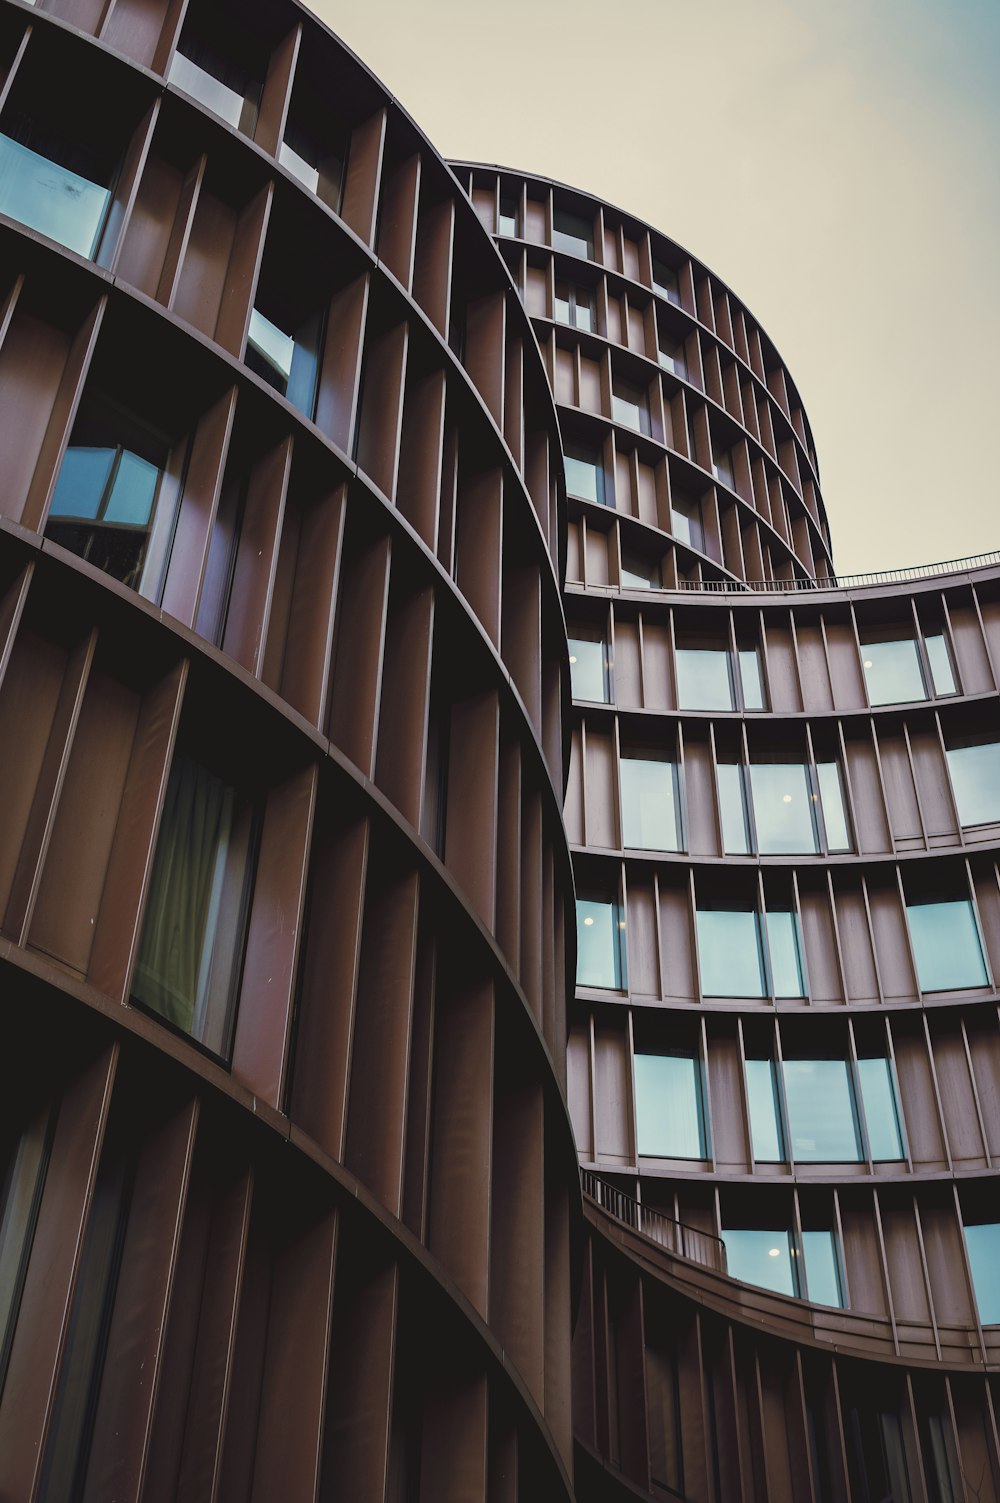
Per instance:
x=335, y=554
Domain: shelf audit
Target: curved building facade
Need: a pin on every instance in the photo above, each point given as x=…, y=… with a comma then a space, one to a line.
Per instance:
x=288, y=1176
x=784, y=809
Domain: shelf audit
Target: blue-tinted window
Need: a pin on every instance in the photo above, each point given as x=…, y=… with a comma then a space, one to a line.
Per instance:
x=750, y=679
x=733, y=806
x=588, y=666
x=766, y=1130
x=878, y=1095
x=288, y=361
x=599, y=937
x=729, y=953
x=946, y=946
x=783, y=807
x=687, y=523
x=509, y=216
x=983, y=1243
x=573, y=233
x=574, y=306
x=975, y=777
x=637, y=574
x=669, y=1106
x=824, y=1284
x=50, y=190
x=650, y=804
x=784, y=943
x=831, y=788
x=892, y=671
x=822, y=1122
x=584, y=474
x=704, y=679
x=942, y=673
x=762, y=1258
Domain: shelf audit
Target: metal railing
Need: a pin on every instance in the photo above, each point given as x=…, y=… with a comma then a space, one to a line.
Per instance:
x=839, y=581
x=675, y=1236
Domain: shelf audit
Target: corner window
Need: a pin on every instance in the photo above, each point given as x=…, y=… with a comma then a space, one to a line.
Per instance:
x=630, y=407
x=573, y=233
x=686, y=521
x=590, y=676
x=575, y=306
x=729, y=952
x=946, y=946
x=194, y=932
x=975, y=778
x=983, y=1244
x=110, y=505
x=584, y=473
x=600, y=939
x=650, y=804
x=665, y=281
x=670, y=1106
x=53, y=181
x=286, y=358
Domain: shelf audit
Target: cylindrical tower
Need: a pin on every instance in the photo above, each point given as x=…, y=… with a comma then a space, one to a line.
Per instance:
x=784, y=809
x=288, y=1180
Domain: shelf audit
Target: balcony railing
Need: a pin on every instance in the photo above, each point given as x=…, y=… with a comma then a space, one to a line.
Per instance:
x=674, y=1236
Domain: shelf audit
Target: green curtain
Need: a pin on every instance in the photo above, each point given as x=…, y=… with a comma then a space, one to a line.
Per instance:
x=184, y=892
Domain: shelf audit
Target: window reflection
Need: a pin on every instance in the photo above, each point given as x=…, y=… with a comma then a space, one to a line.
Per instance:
x=766, y=1117
x=687, y=524
x=588, y=667
x=783, y=806
x=822, y=1121
x=286, y=360
x=975, y=777
x=784, y=943
x=729, y=953
x=760, y=1257
x=983, y=1243
x=600, y=932
x=574, y=306
x=584, y=474
x=669, y=1106
x=878, y=1096
x=704, y=679
x=218, y=64
x=650, y=804
x=892, y=670
x=54, y=186
x=946, y=946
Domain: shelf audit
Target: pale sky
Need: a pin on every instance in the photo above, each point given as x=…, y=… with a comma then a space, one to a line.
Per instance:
x=834, y=161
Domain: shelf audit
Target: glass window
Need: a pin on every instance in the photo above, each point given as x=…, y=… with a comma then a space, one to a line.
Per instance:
x=584, y=474
x=600, y=931
x=686, y=513
x=750, y=679
x=983, y=1243
x=588, y=666
x=573, y=233
x=508, y=223
x=892, y=671
x=214, y=64
x=650, y=804
x=762, y=1258
x=765, y=1112
x=194, y=932
x=574, y=306
x=672, y=355
x=822, y=1121
x=784, y=943
x=975, y=777
x=637, y=574
x=939, y=658
x=838, y=837
x=630, y=407
x=669, y=1106
x=704, y=679
x=946, y=945
x=58, y=187
x=106, y=502
x=722, y=466
x=315, y=156
x=878, y=1096
x=287, y=361
x=665, y=281
x=824, y=1285
x=729, y=953
x=733, y=805
x=783, y=807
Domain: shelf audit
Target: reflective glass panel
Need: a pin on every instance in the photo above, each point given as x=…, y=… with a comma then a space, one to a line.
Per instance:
x=83, y=479
x=298, y=166
x=823, y=1282
x=765, y=1112
x=732, y=803
x=722, y=467
x=983, y=1243
x=831, y=790
x=782, y=807
x=729, y=952
x=573, y=233
x=288, y=362
x=133, y=492
x=892, y=671
x=584, y=477
x=636, y=574
x=50, y=198
x=628, y=407
x=210, y=91
x=672, y=356
x=704, y=681
x=750, y=679
x=508, y=216
x=650, y=805
x=946, y=945
x=785, y=949
x=940, y=661
x=273, y=346
x=878, y=1096
x=564, y=313
x=588, y=670
x=975, y=777
x=822, y=1123
x=599, y=944
x=665, y=281
x=687, y=526
x=669, y=1113
x=762, y=1258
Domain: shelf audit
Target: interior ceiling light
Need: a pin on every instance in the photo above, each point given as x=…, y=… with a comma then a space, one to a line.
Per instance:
x=588, y=922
